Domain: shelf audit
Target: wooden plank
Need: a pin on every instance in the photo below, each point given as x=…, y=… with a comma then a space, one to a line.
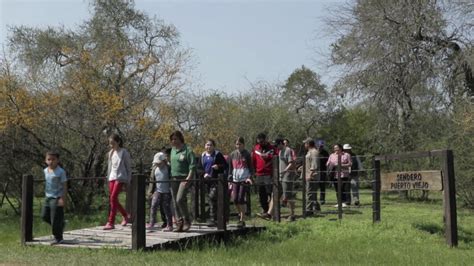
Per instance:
x=404, y=156
x=120, y=238
x=412, y=180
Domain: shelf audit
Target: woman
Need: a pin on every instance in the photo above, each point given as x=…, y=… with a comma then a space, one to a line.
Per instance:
x=119, y=172
x=183, y=165
x=332, y=165
x=240, y=172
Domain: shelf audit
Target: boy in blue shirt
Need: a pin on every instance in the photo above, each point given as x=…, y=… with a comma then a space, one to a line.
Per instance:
x=55, y=189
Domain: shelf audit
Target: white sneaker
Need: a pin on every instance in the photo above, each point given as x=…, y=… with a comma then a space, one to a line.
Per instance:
x=344, y=205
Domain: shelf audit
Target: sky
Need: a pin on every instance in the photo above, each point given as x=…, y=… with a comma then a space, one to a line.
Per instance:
x=234, y=43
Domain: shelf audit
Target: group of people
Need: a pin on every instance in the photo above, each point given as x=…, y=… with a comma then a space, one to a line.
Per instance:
x=173, y=170
x=320, y=169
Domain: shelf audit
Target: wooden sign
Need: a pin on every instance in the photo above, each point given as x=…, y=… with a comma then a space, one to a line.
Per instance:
x=422, y=180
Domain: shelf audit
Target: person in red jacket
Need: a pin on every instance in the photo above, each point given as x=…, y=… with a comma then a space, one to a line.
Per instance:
x=262, y=155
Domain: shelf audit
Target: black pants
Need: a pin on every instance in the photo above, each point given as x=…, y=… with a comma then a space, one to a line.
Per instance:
x=54, y=215
x=322, y=186
x=264, y=194
x=345, y=189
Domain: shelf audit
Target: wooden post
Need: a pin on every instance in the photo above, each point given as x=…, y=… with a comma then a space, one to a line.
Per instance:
x=202, y=198
x=138, y=225
x=27, y=209
x=221, y=200
x=248, y=201
x=449, y=199
x=303, y=180
x=276, y=189
x=128, y=199
x=195, y=196
x=339, y=188
x=376, y=192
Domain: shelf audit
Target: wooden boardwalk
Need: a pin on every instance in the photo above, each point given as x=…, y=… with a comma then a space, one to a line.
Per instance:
x=121, y=237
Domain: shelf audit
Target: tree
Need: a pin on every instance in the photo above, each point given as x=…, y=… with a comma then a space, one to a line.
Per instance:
x=307, y=96
x=109, y=75
x=387, y=62
x=410, y=61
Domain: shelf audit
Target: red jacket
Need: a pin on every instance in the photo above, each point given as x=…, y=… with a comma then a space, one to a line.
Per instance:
x=262, y=156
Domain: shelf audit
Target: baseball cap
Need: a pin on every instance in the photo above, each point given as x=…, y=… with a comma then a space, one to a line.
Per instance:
x=346, y=147
x=159, y=157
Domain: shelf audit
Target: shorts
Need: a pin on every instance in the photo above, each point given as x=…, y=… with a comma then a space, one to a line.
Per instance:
x=288, y=181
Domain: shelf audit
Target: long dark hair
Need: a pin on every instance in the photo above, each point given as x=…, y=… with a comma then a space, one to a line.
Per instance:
x=177, y=134
x=116, y=137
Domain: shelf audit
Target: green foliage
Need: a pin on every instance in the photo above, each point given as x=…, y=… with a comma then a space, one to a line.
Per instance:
x=409, y=234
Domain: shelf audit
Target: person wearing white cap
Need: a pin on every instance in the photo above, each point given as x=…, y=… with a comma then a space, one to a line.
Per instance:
x=160, y=193
x=354, y=176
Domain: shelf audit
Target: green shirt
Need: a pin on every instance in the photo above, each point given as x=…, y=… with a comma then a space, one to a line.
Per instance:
x=182, y=161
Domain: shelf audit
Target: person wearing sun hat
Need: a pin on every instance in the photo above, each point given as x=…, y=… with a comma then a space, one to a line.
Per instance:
x=340, y=159
x=354, y=176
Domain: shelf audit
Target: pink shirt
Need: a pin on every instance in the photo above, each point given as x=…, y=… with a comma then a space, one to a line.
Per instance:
x=345, y=159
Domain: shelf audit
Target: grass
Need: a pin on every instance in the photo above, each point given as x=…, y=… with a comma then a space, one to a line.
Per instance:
x=410, y=233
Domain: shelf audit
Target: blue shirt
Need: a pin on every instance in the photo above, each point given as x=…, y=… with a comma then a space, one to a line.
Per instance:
x=162, y=174
x=208, y=162
x=54, y=182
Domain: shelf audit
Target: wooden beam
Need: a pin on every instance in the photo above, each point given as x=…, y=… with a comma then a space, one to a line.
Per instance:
x=221, y=201
x=404, y=156
x=27, y=209
x=449, y=202
x=138, y=225
x=303, y=192
x=376, y=186
x=276, y=189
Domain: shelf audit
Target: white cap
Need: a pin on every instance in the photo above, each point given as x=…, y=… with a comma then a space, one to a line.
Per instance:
x=159, y=157
x=346, y=147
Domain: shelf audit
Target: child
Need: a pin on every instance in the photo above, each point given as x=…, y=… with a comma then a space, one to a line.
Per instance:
x=55, y=189
x=213, y=163
x=240, y=171
x=160, y=192
x=119, y=172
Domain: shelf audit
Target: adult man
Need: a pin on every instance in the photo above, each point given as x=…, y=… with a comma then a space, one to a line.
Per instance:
x=262, y=155
x=353, y=175
x=323, y=159
x=311, y=176
x=287, y=175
